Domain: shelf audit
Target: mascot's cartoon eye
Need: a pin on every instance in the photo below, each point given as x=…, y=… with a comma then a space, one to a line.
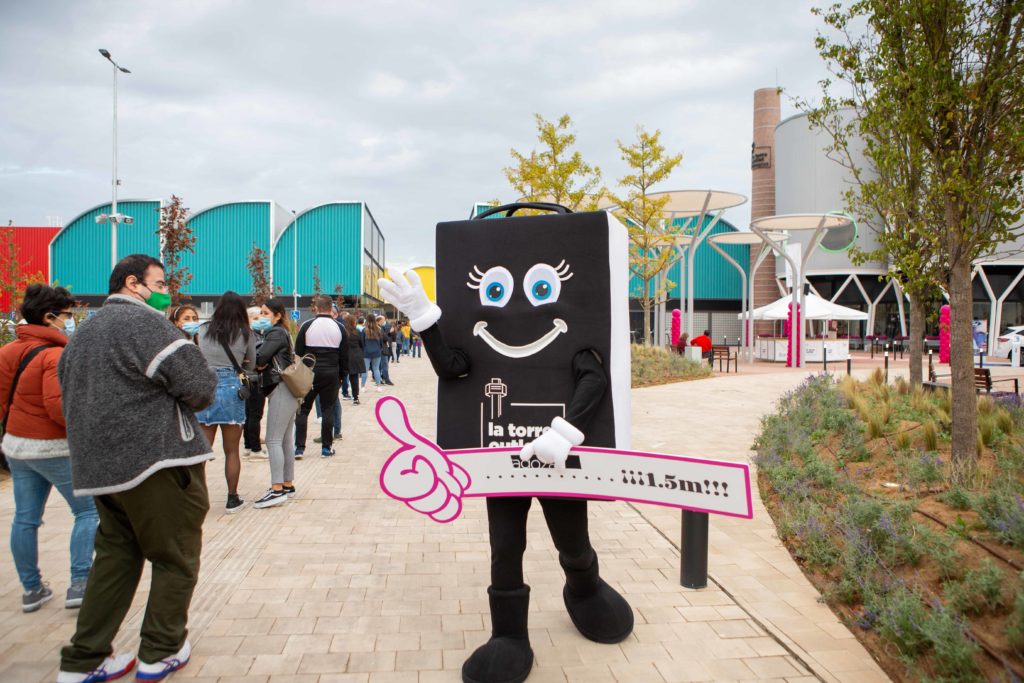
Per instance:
x=495, y=285
x=543, y=283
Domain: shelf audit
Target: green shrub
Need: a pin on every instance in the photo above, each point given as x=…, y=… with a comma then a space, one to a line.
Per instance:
x=1002, y=510
x=886, y=527
x=985, y=405
x=981, y=590
x=942, y=549
x=811, y=539
x=901, y=616
x=1015, y=622
x=957, y=498
x=902, y=441
x=652, y=365
x=921, y=469
x=953, y=651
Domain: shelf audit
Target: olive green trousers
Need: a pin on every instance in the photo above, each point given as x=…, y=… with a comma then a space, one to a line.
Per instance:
x=160, y=521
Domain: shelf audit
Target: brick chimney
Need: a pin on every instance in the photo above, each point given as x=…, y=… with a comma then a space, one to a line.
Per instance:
x=767, y=114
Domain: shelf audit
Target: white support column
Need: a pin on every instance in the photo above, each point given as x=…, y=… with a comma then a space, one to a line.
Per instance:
x=999, y=307
x=978, y=270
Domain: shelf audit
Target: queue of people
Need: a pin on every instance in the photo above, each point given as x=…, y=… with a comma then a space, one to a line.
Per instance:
x=127, y=449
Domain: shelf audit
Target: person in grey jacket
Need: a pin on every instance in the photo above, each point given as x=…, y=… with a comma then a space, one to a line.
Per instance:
x=131, y=385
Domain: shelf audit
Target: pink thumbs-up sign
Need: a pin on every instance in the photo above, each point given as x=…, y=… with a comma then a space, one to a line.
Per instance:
x=419, y=474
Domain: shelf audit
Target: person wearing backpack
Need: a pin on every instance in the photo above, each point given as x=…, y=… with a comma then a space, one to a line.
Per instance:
x=36, y=443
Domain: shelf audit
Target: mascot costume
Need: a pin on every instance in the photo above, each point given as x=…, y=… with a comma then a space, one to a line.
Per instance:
x=533, y=351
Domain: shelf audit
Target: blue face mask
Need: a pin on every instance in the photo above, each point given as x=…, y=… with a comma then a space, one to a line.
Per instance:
x=191, y=328
x=262, y=324
x=69, y=326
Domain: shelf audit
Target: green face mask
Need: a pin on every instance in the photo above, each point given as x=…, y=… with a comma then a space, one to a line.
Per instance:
x=159, y=300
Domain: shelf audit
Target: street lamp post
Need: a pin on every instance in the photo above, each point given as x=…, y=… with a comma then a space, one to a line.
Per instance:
x=295, y=261
x=114, y=218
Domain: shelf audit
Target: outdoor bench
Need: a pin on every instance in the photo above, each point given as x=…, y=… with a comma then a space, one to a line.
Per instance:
x=982, y=381
x=725, y=354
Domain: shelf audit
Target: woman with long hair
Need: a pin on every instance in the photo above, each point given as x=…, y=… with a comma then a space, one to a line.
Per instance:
x=374, y=348
x=226, y=341
x=356, y=344
x=274, y=355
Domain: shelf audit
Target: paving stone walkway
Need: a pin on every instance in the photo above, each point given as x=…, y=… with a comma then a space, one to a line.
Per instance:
x=344, y=585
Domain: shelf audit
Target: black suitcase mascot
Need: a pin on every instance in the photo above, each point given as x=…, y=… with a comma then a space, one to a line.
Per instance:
x=532, y=350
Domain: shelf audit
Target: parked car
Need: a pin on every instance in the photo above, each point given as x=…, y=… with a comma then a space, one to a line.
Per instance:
x=1004, y=342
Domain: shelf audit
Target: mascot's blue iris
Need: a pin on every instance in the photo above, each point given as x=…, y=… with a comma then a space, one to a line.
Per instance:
x=495, y=291
x=541, y=290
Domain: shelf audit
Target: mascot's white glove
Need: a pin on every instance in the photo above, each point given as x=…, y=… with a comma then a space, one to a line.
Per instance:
x=553, y=446
x=408, y=296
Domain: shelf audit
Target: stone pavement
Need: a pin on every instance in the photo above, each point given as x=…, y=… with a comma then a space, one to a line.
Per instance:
x=345, y=585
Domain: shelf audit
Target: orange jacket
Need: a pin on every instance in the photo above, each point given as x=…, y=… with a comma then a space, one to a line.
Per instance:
x=35, y=412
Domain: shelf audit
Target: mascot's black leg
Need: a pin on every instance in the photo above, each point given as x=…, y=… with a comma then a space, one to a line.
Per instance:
x=507, y=656
x=596, y=609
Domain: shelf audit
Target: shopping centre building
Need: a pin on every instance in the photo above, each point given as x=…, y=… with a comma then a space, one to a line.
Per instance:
x=794, y=172
x=340, y=243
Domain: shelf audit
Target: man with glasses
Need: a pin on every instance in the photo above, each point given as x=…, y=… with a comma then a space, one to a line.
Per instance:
x=131, y=384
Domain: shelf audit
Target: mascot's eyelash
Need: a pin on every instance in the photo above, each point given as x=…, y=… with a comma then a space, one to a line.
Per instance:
x=563, y=271
x=475, y=277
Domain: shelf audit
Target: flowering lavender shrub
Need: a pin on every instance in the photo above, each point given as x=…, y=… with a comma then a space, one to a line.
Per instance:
x=901, y=619
x=953, y=651
x=1002, y=510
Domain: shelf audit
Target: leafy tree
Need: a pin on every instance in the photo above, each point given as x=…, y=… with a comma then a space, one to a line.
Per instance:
x=176, y=238
x=650, y=230
x=556, y=173
x=259, y=271
x=949, y=75
x=890, y=190
x=317, y=287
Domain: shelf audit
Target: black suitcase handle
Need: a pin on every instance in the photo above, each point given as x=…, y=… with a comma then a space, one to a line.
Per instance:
x=510, y=209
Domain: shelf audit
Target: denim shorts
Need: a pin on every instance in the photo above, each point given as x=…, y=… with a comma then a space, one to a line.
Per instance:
x=227, y=408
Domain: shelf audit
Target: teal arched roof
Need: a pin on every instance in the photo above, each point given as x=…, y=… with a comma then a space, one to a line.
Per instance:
x=713, y=276
x=80, y=252
x=332, y=237
x=225, y=235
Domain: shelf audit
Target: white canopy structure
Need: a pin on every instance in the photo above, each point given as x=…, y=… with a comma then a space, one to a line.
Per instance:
x=817, y=309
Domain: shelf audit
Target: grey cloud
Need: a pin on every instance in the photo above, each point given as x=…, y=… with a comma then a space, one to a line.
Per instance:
x=410, y=106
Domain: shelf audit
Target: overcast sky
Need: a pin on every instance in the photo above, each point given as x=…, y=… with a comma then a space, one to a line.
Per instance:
x=411, y=107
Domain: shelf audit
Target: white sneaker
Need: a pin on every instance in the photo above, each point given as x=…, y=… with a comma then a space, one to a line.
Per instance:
x=111, y=668
x=165, y=667
x=259, y=455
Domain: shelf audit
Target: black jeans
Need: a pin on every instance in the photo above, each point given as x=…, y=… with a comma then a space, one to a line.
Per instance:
x=506, y=521
x=325, y=385
x=253, y=416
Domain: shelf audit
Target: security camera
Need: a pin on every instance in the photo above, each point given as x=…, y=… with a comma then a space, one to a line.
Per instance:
x=128, y=220
x=102, y=218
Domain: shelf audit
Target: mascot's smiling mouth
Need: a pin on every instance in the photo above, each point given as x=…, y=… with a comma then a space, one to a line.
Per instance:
x=480, y=330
